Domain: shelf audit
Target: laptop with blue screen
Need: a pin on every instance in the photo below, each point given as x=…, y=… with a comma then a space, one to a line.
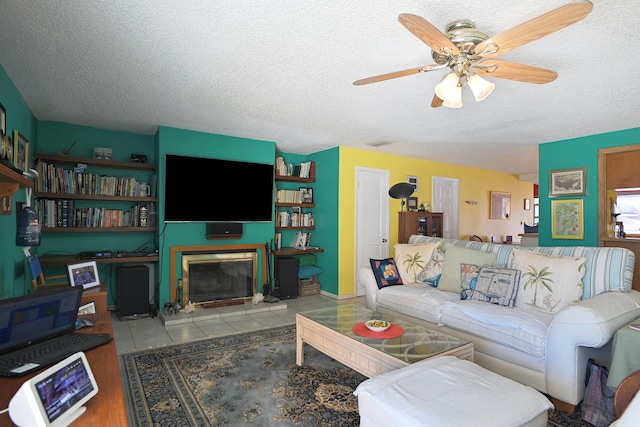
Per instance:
x=37, y=330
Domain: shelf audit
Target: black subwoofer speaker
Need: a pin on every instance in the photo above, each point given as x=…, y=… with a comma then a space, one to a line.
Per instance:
x=224, y=230
x=287, y=277
x=133, y=292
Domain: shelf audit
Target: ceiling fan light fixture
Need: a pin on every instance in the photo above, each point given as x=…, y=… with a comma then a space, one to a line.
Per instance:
x=480, y=87
x=448, y=88
x=455, y=102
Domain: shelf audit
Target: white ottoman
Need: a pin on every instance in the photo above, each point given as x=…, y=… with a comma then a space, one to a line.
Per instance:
x=447, y=391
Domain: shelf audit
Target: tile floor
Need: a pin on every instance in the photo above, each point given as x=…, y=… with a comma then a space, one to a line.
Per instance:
x=145, y=333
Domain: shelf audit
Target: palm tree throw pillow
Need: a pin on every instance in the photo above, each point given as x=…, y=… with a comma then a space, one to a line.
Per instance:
x=548, y=283
x=411, y=260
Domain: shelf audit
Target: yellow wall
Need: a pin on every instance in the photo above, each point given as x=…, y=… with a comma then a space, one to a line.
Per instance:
x=475, y=184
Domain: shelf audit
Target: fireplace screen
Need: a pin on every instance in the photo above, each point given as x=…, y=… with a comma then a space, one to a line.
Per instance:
x=219, y=276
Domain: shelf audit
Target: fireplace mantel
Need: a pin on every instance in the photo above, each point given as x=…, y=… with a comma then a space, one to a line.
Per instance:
x=175, y=250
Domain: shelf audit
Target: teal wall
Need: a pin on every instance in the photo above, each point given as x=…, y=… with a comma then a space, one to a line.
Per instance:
x=574, y=153
x=185, y=142
x=19, y=117
x=326, y=216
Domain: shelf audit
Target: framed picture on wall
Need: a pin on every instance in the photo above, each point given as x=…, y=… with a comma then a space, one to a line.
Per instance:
x=568, y=182
x=3, y=120
x=20, y=151
x=567, y=219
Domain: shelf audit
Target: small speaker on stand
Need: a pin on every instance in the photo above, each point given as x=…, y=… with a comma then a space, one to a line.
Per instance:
x=133, y=292
x=287, y=277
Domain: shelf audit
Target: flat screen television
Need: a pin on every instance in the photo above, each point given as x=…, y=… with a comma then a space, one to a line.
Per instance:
x=201, y=189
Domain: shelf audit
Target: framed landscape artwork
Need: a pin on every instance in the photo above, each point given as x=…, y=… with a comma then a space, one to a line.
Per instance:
x=567, y=219
x=568, y=182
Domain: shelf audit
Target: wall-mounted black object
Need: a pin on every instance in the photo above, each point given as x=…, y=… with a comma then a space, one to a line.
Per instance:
x=224, y=230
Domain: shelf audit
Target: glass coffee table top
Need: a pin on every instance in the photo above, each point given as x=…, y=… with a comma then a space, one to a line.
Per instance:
x=417, y=343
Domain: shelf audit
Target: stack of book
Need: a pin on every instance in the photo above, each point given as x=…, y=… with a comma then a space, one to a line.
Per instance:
x=300, y=170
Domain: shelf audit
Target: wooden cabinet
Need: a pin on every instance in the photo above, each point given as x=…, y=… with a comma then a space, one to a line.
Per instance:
x=425, y=223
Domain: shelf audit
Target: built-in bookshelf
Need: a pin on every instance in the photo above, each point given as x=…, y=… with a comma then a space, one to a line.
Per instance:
x=295, y=221
x=74, y=194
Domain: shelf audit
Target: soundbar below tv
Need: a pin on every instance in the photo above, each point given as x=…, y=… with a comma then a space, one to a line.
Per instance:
x=202, y=189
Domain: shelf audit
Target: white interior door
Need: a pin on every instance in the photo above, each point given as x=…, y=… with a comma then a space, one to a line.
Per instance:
x=446, y=200
x=372, y=217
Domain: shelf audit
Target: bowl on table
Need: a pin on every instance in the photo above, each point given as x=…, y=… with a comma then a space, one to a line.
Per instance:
x=377, y=325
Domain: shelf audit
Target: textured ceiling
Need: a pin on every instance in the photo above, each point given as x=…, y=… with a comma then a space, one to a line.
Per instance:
x=283, y=70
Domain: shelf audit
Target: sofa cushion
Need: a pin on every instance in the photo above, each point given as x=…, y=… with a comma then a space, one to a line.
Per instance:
x=453, y=257
x=420, y=301
x=524, y=329
x=468, y=279
x=411, y=259
x=432, y=272
x=386, y=272
x=497, y=286
x=548, y=283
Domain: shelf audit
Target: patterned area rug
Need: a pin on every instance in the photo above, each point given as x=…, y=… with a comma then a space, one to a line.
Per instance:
x=248, y=379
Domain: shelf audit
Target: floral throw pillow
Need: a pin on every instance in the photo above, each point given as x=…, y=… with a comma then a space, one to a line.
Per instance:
x=468, y=279
x=431, y=273
x=386, y=272
x=411, y=259
x=548, y=283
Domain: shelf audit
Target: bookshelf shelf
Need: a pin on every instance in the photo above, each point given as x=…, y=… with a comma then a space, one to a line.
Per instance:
x=287, y=178
x=288, y=250
x=11, y=180
x=93, y=197
x=96, y=229
x=294, y=228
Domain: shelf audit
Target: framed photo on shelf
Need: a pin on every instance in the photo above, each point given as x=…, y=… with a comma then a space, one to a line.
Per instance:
x=20, y=151
x=567, y=219
x=83, y=274
x=307, y=194
x=3, y=120
x=412, y=203
x=568, y=182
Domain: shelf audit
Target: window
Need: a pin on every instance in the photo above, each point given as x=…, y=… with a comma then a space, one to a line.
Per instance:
x=628, y=202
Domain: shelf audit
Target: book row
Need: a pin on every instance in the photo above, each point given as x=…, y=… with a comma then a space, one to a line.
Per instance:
x=303, y=195
x=63, y=213
x=53, y=179
x=300, y=170
x=294, y=219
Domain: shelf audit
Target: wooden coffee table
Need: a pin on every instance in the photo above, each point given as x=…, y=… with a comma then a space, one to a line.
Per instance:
x=329, y=331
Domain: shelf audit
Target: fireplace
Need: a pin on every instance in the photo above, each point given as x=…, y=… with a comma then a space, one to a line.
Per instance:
x=219, y=278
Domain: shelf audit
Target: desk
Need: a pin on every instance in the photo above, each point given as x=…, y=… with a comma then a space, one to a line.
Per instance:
x=107, y=407
x=624, y=355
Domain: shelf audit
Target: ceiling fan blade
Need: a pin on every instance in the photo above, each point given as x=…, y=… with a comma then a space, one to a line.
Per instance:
x=537, y=28
x=436, y=102
x=396, y=74
x=514, y=71
x=429, y=34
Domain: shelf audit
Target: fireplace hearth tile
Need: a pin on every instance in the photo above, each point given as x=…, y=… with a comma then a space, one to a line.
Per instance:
x=202, y=314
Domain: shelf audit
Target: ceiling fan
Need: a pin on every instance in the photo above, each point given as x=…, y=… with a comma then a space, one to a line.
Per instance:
x=469, y=52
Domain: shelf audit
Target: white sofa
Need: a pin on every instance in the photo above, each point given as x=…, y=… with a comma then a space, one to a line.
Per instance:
x=547, y=351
